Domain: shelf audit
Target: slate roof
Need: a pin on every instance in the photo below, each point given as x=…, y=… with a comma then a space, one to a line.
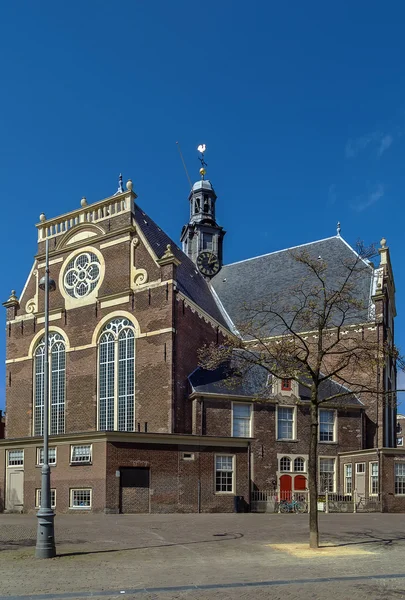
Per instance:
x=189, y=280
x=252, y=280
x=254, y=383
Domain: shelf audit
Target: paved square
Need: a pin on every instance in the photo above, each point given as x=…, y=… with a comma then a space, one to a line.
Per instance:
x=208, y=557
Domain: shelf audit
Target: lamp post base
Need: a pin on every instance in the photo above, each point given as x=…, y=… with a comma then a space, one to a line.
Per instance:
x=45, y=547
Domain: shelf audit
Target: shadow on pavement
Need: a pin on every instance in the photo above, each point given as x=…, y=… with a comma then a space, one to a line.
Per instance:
x=223, y=537
x=386, y=541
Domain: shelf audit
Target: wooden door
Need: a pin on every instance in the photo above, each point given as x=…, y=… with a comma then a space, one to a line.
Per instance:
x=15, y=490
x=134, y=484
x=285, y=487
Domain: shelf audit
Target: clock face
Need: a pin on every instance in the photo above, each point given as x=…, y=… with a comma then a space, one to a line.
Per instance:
x=208, y=263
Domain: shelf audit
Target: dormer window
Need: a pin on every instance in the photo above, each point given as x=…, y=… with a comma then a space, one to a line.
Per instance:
x=286, y=385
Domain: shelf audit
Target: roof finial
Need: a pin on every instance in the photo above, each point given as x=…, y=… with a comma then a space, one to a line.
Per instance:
x=120, y=186
x=338, y=229
x=201, y=149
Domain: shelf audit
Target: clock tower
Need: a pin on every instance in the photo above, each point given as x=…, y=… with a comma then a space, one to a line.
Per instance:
x=202, y=238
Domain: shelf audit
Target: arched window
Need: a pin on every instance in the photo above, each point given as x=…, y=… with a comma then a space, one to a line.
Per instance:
x=117, y=376
x=57, y=362
x=285, y=464
x=299, y=464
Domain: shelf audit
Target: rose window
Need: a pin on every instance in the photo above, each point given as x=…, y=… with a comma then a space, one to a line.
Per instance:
x=82, y=275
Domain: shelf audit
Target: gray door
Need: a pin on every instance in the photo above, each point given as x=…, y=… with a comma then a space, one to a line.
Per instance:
x=360, y=482
x=15, y=490
x=135, y=490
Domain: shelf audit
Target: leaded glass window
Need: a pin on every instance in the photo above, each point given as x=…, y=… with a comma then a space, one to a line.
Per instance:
x=82, y=275
x=57, y=371
x=117, y=376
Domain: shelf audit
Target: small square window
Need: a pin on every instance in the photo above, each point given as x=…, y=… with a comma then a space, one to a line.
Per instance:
x=81, y=454
x=360, y=467
x=80, y=498
x=286, y=385
x=188, y=455
x=51, y=456
x=15, y=458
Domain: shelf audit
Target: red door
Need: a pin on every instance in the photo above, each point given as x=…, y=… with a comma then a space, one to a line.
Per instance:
x=285, y=487
x=300, y=482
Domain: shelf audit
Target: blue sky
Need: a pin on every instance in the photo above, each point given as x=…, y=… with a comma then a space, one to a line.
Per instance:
x=301, y=105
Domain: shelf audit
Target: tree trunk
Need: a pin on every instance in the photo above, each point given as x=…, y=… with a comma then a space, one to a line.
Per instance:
x=313, y=477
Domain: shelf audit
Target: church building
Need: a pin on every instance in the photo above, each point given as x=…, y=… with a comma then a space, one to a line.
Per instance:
x=136, y=425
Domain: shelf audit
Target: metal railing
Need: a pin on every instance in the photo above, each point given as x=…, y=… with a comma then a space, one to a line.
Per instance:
x=351, y=503
x=276, y=501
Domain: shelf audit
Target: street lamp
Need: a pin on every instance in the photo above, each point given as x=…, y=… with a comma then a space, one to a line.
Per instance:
x=45, y=547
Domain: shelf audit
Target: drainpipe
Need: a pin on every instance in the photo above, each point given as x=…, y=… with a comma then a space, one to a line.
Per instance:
x=249, y=465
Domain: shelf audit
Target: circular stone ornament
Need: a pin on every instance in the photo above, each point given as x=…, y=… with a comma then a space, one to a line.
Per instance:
x=82, y=274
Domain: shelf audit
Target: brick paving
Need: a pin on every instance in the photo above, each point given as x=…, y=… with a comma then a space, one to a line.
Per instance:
x=157, y=557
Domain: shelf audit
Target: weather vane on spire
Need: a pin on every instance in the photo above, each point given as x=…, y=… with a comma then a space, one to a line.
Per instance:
x=201, y=149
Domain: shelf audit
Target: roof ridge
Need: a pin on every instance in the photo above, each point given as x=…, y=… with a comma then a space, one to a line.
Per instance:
x=333, y=237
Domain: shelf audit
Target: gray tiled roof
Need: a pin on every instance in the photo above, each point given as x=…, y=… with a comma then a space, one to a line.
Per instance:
x=189, y=280
x=253, y=280
x=254, y=383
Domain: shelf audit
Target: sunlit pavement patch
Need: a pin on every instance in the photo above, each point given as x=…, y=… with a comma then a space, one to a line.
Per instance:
x=304, y=551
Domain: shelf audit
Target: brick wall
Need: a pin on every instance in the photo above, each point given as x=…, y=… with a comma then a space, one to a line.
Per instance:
x=173, y=481
x=217, y=420
x=192, y=332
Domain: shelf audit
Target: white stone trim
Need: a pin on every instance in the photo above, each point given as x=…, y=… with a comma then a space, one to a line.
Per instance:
x=114, y=301
x=121, y=240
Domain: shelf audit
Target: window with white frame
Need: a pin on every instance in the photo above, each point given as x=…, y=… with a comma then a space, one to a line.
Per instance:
x=57, y=364
x=116, y=402
x=299, y=464
x=348, y=478
x=224, y=473
x=80, y=498
x=373, y=468
x=285, y=463
x=15, y=458
x=51, y=456
x=400, y=479
x=241, y=419
x=360, y=468
x=38, y=498
x=327, y=425
x=400, y=441
x=326, y=475
x=285, y=423
x=81, y=454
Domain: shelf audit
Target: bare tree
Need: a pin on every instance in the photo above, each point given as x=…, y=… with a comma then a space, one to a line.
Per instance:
x=311, y=336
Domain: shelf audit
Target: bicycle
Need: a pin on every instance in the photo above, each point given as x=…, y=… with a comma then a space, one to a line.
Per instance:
x=294, y=506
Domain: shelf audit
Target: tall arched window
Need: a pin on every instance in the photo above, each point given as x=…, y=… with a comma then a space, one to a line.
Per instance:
x=57, y=362
x=117, y=376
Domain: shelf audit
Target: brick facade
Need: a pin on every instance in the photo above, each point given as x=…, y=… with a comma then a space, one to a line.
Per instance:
x=172, y=318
